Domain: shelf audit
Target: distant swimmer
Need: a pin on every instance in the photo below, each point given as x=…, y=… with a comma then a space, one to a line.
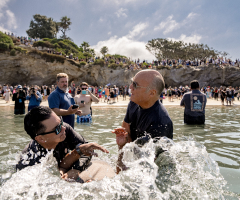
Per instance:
x=72, y=152
x=146, y=117
x=195, y=103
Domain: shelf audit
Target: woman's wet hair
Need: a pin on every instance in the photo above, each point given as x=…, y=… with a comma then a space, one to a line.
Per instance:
x=33, y=119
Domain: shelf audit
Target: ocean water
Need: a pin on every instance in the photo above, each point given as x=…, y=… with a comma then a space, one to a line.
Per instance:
x=201, y=162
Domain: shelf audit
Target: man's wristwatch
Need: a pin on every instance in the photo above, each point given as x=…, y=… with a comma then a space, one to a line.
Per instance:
x=78, y=149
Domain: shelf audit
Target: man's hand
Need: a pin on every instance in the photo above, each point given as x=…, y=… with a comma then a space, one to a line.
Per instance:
x=121, y=136
x=88, y=149
x=79, y=112
x=72, y=111
x=72, y=174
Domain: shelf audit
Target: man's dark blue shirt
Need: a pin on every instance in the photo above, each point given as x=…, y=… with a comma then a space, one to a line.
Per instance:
x=60, y=99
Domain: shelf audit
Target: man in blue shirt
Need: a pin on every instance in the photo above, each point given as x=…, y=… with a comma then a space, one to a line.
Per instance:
x=34, y=98
x=61, y=102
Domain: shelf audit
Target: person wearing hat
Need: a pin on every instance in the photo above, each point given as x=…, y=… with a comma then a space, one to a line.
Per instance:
x=19, y=97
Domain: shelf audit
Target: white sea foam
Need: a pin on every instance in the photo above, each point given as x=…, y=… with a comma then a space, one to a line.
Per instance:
x=183, y=171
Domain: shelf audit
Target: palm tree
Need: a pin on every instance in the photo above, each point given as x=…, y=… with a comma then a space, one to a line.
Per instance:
x=64, y=24
x=85, y=46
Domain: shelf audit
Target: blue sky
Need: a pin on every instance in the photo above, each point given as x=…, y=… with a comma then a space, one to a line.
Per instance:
x=125, y=26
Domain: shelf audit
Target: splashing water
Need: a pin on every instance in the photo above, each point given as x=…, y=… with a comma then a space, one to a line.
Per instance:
x=183, y=171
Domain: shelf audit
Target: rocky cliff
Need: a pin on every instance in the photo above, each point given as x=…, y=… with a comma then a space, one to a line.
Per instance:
x=31, y=69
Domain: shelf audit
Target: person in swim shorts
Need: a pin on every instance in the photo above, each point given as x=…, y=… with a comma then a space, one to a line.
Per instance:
x=84, y=100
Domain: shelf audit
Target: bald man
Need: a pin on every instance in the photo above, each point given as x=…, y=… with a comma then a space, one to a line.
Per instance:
x=146, y=117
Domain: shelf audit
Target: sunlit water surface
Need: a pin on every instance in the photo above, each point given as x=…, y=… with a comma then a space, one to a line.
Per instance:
x=202, y=162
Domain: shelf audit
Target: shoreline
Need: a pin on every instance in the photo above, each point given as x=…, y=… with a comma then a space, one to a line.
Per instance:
x=124, y=103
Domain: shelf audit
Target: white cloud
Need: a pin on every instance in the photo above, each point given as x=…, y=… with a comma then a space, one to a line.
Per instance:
x=11, y=22
x=191, y=39
x=109, y=33
x=122, y=2
x=7, y=18
x=121, y=12
x=170, y=24
x=3, y=3
x=101, y=19
x=126, y=45
x=191, y=15
x=137, y=30
x=4, y=29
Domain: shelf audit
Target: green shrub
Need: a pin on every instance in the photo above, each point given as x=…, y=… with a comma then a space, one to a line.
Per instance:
x=112, y=61
x=39, y=44
x=48, y=44
x=99, y=62
x=4, y=46
x=113, y=66
x=5, y=38
x=11, y=46
x=160, y=67
x=35, y=51
x=82, y=63
x=55, y=40
x=46, y=39
x=56, y=45
x=62, y=44
x=53, y=57
x=18, y=49
x=13, y=52
x=24, y=51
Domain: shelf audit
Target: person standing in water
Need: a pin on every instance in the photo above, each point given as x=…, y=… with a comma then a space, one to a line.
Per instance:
x=84, y=100
x=146, y=117
x=61, y=102
x=194, y=103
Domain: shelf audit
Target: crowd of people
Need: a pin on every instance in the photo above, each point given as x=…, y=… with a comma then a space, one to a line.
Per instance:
x=28, y=41
x=139, y=64
x=227, y=94
x=36, y=94
x=111, y=94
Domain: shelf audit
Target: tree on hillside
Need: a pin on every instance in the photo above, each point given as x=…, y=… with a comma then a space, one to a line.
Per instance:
x=92, y=52
x=42, y=27
x=64, y=25
x=104, y=50
x=85, y=46
x=168, y=49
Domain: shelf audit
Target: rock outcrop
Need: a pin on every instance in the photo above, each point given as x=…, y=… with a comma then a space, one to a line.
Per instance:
x=31, y=69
